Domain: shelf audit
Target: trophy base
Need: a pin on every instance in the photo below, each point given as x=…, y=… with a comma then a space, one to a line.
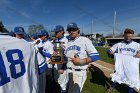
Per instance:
x=52, y=62
x=56, y=60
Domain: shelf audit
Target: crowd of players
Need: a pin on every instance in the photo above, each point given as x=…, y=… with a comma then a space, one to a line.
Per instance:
x=79, y=52
x=71, y=75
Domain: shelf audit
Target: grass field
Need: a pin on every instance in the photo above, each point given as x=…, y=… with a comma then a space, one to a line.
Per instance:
x=103, y=55
x=97, y=82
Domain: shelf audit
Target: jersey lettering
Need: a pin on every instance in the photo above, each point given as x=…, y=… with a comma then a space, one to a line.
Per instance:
x=74, y=47
x=127, y=49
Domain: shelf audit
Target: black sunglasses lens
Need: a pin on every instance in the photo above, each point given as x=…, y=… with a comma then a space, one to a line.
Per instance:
x=72, y=29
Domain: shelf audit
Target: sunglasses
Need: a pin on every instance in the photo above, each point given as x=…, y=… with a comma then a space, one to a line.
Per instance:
x=72, y=29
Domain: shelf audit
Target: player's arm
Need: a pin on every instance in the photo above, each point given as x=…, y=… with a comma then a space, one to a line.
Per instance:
x=110, y=53
x=137, y=55
x=92, y=58
x=93, y=54
x=77, y=60
x=49, y=47
x=138, y=52
x=45, y=54
x=42, y=65
x=112, y=50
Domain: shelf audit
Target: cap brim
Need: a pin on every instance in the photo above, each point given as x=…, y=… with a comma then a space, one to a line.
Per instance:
x=72, y=27
x=21, y=33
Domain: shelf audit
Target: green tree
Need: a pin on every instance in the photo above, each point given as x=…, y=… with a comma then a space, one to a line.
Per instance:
x=138, y=35
x=4, y=30
x=34, y=28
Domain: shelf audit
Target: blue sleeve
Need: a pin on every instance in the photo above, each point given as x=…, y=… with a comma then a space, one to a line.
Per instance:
x=43, y=67
x=45, y=54
x=94, y=57
x=108, y=53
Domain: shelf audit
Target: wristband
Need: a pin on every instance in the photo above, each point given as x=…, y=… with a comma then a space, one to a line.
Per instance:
x=82, y=61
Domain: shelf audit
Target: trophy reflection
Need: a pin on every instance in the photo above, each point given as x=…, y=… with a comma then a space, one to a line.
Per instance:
x=59, y=58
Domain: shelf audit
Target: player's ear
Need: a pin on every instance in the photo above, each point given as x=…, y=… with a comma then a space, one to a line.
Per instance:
x=78, y=31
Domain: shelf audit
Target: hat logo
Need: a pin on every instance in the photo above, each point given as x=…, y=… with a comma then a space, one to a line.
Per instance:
x=71, y=24
x=20, y=29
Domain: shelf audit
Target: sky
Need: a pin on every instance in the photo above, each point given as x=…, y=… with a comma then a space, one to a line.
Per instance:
x=92, y=16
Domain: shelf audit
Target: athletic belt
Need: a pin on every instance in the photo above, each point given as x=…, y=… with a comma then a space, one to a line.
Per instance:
x=75, y=69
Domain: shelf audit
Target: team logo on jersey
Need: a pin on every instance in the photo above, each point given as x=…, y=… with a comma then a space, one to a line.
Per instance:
x=127, y=49
x=74, y=47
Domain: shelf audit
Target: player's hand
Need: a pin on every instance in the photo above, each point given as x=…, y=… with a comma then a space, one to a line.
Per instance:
x=137, y=55
x=76, y=60
x=37, y=42
x=40, y=49
x=55, y=53
x=60, y=71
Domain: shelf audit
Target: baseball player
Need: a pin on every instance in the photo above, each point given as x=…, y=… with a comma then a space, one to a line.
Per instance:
x=19, y=32
x=20, y=66
x=59, y=37
x=46, y=49
x=126, y=47
x=41, y=44
x=80, y=52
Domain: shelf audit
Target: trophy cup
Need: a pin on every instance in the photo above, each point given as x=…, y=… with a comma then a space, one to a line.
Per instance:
x=59, y=58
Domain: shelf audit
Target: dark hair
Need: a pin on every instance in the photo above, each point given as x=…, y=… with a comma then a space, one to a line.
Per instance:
x=128, y=31
x=56, y=32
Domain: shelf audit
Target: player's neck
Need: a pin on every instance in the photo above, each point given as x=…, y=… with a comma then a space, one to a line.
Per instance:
x=127, y=41
x=73, y=38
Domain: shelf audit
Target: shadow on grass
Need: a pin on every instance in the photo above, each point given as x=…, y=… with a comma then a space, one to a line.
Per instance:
x=51, y=85
x=99, y=78
x=122, y=88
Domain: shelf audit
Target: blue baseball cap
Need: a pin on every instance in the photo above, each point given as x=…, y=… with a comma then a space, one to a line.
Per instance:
x=1, y=24
x=72, y=25
x=58, y=28
x=42, y=32
x=34, y=36
x=19, y=30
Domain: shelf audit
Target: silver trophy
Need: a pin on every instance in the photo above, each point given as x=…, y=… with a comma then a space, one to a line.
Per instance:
x=59, y=58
